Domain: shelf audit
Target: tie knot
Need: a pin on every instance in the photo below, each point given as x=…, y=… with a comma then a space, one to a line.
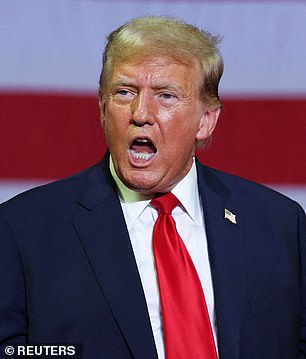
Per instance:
x=165, y=203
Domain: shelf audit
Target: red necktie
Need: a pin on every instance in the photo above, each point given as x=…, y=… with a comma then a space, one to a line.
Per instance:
x=187, y=330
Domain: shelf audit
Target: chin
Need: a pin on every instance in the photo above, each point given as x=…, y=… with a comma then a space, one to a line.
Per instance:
x=141, y=184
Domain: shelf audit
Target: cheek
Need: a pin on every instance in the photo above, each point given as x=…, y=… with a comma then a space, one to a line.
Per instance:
x=167, y=116
x=180, y=143
x=116, y=121
x=180, y=128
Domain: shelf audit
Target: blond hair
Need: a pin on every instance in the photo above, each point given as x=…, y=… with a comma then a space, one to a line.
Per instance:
x=166, y=36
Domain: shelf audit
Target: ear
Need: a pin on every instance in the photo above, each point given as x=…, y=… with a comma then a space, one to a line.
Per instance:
x=102, y=106
x=208, y=123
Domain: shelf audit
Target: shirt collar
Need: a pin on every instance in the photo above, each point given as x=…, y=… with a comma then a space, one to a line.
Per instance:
x=134, y=203
x=187, y=193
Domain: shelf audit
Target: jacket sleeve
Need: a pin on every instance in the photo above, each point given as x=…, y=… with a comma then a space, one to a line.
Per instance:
x=12, y=290
x=302, y=247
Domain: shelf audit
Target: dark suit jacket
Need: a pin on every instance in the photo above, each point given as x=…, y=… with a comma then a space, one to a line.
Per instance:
x=68, y=273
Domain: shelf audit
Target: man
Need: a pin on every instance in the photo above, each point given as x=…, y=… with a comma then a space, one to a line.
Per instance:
x=91, y=260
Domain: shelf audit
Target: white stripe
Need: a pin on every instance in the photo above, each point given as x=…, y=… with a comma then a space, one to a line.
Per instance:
x=56, y=44
x=295, y=192
x=10, y=188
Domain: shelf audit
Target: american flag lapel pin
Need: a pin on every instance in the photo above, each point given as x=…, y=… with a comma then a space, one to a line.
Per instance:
x=230, y=216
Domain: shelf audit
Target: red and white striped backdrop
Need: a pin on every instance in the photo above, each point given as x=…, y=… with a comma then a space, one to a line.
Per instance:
x=50, y=58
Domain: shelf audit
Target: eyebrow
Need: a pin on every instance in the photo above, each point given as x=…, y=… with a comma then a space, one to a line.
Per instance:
x=122, y=82
x=168, y=85
x=163, y=85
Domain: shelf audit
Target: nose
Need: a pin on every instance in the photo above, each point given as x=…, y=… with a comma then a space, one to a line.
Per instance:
x=143, y=109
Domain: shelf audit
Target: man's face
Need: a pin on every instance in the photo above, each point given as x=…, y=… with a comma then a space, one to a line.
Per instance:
x=152, y=115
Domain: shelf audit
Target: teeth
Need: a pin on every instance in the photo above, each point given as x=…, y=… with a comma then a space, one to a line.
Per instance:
x=142, y=140
x=141, y=156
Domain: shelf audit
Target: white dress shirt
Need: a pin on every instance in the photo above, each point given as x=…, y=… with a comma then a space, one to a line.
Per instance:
x=140, y=218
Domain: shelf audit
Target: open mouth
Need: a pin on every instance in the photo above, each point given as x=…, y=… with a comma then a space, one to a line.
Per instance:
x=142, y=149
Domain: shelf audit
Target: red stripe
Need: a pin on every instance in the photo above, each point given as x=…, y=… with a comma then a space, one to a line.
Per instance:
x=52, y=136
x=48, y=136
x=262, y=139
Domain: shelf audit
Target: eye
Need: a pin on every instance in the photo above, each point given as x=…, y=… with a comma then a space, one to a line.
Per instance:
x=123, y=92
x=167, y=96
x=123, y=95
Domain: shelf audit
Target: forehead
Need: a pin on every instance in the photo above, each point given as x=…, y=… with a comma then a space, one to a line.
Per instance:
x=156, y=68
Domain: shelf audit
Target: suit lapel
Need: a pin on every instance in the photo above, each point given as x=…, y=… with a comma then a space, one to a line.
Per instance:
x=226, y=259
x=101, y=228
